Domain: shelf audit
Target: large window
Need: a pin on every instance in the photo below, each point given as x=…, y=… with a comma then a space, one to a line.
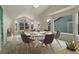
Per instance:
x=63, y=24
x=23, y=26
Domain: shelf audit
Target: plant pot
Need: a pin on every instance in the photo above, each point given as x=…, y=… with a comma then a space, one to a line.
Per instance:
x=71, y=49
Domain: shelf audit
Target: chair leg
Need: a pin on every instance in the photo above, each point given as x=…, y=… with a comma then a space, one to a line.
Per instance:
x=58, y=43
x=41, y=45
x=46, y=46
x=27, y=48
x=29, y=44
x=32, y=44
x=52, y=50
x=50, y=45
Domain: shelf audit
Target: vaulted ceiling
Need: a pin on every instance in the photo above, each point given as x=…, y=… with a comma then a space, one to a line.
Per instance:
x=14, y=11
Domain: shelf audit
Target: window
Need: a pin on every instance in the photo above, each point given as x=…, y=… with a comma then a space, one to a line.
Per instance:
x=26, y=26
x=32, y=26
x=23, y=26
x=63, y=24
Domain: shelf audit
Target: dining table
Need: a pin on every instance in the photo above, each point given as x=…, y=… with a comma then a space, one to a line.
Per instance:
x=37, y=36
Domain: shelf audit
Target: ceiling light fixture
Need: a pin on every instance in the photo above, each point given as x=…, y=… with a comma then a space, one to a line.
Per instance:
x=35, y=6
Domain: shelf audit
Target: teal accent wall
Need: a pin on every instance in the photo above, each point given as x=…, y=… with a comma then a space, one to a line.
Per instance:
x=1, y=25
x=64, y=24
x=78, y=23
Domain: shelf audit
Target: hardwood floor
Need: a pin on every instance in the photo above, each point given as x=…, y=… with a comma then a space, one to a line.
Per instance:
x=16, y=46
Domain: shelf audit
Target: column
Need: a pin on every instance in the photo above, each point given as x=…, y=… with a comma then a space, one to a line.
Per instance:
x=53, y=24
x=75, y=24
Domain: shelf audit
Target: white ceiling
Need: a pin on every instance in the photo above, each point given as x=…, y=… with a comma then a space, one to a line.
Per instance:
x=14, y=11
x=54, y=8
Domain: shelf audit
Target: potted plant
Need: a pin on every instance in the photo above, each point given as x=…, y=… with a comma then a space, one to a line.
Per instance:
x=71, y=45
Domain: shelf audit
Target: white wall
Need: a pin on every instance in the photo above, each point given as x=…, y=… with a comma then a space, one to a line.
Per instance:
x=7, y=24
x=43, y=22
x=67, y=36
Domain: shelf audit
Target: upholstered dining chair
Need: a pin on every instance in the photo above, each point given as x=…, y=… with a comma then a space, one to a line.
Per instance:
x=26, y=40
x=48, y=39
x=57, y=36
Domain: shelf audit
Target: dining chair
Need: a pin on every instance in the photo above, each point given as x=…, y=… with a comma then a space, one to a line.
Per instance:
x=26, y=39
x=48, y=40
x=57, y=36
